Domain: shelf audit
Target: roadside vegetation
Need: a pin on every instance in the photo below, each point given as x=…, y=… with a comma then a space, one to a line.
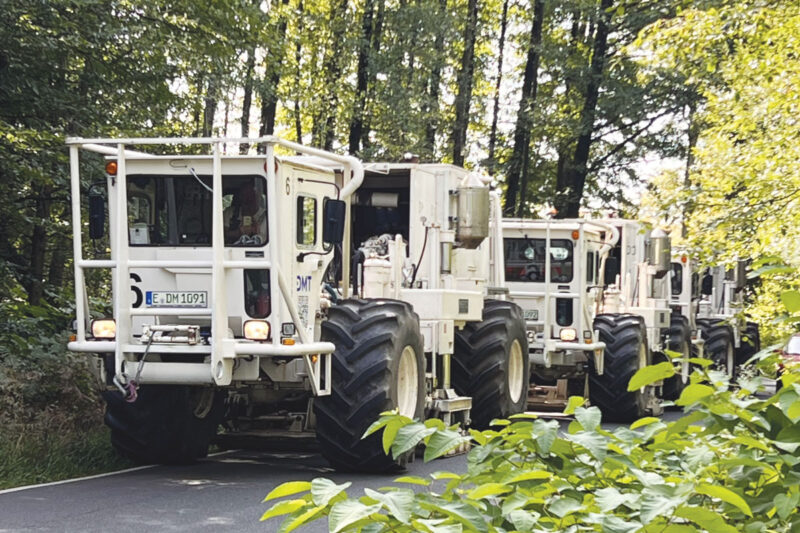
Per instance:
x=731, y=463
x=50, y=410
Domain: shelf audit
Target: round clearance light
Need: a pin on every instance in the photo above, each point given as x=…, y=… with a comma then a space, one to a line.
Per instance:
x=111, y=168
x=575, y=235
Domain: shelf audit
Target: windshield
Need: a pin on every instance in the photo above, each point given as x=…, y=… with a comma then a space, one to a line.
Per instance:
x=176, y=210
x=677, y=279
x=525, y=260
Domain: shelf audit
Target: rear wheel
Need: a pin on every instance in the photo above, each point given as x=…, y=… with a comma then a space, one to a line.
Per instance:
x=491, y=363
x=679, y=341
x=719, y=345
x=626, y=352
x=166, y=424
x=378, y=365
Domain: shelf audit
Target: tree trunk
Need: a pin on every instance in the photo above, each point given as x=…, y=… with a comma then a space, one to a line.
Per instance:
x=272, y=78
x=432, y=105
x=518, y=164
x=362, y=78
x=248, y=98
x=58, y=259
x=298, y=56
x=491, y=163
x=465, y=76
x=375, y=47
x=692, y=134
x=576, y=34
x=332, y=64
x=36, y=261
x=568, y=196
x=210, y=108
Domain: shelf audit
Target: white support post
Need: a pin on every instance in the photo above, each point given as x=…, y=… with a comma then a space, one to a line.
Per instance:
x=221, y=367
x=121, y=281
x=77, y=246
x=548, y=327
x=346, y=244
x=274, y=244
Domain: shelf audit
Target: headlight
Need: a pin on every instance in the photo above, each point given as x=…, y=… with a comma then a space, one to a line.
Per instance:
x=256, y=330
x=104, y=328
x=568, y=334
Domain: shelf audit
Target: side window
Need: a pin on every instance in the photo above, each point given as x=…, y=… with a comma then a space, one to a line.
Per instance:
x=590, y=268
x=306, y=220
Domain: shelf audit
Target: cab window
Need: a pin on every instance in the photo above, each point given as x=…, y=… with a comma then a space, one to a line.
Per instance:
x=306, y=220
x=525, y=260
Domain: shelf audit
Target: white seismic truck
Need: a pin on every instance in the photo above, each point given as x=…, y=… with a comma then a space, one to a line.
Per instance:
x=713, y=302
x=595, y=296
x=230, y=319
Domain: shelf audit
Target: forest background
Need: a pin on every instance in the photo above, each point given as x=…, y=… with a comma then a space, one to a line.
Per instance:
x=681, y=112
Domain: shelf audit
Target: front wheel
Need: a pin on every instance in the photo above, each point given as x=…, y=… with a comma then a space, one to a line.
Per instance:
x=378, y=366
x=625, y=353
x=679, y=341
x=719, y=345
x=167, y=424
x=491, y=363
x=750, y=345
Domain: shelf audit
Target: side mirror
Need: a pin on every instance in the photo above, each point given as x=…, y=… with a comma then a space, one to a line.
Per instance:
x=333, y=221
x=97, y=215
x=707, y=285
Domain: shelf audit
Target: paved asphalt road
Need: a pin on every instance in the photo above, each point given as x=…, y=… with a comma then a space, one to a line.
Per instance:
x=222, y=493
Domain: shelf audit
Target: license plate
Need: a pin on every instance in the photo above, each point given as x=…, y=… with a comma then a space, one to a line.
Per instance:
x=531, y=314
x=176, y=299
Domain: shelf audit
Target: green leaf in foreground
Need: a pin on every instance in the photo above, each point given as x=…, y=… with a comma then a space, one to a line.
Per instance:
x=287, y=489
x=651, y=374
x=284, y=507
x=324, y=490
x=706, y=519
x=348, y=512
x=726, y=495
x=694, y=392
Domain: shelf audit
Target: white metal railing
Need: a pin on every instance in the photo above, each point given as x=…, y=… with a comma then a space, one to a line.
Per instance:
x=222, y=352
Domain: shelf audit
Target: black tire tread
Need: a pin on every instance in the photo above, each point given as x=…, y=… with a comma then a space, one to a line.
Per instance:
x=750, y=343
x=679, y=334
x=717, y=335
x=623, y=335
x=160, y=426
x=367, y=335
x=480, y=362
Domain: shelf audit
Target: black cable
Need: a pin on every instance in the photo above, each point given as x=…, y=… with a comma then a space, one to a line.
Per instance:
x=421, y=255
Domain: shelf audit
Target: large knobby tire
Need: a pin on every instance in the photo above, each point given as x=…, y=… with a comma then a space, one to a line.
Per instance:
x=491, y=363
x=378, y=366
x=167, y=424
x=680, y=340
x=719, y=346
x=626, y=352
x=750, y=344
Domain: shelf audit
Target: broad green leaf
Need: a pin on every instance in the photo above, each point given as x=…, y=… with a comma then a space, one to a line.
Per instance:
x=545, y=433
x=589, y=418
x=282, y=508
x=409, y=436
x=287, y=489
x=651, y=374
x=389, y=433
x=293, y=522
x=609, y=498
x=572, y=403
x=460, y=511
x=615, y=524
x=523, y=520
x=726, y=495
x=530, y=475
x=659, y=501
x=413, y=480
x=595, y=443
x=770, y=270
x=786, y=504
x=710, y=520
x=693, y=393
x=791, y=300
x=323, y=490
x=399, y=503
x=488, y=489
x=442, y=442
x=700, y=361
x=441, y=474
x=644, y=422
x=562, y=506
x=348, y=512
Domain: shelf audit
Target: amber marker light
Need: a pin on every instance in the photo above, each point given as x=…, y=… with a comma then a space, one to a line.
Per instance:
x=684, y=259
x=111, y=168
x=575, y=235
x=288, y=341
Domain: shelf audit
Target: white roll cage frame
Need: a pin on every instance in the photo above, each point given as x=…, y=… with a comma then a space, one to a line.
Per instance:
x=223, y=350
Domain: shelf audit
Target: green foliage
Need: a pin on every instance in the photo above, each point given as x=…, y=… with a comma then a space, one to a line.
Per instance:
x=731, y=463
